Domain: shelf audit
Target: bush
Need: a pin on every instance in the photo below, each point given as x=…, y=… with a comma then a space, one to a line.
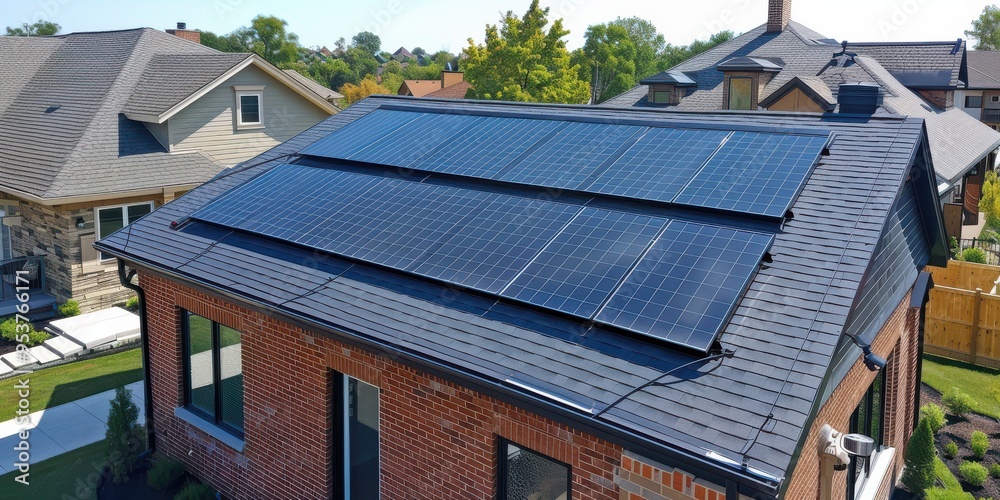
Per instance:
x=973, y=472
x=951, y=449
x=995, y=470
x=164, y=473
x=132, y=304
x=124, y=438
x=979, y=444
x=958, y=402
x=195, y=491
x=920, y=454
x=973, y=255
x=989, y=236
x=69, y=308
x=934, y=414
x=22, y=333
x=943, y=494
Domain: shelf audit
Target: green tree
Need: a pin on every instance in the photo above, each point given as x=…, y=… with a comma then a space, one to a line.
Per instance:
x=240, y=40
x=986, y=29
x=366, y=87
x=920, y=453
x=417, y=51
x=368, y=41
x=333, y=73
x=609, y=54
x=522, y=62
x=416, y=72
x=39, y=28
x=672, y=55
x=443, y=57
x=272, y=41
x=361, y=62
x=123, y=439
x=989, y=201
x=648, y=44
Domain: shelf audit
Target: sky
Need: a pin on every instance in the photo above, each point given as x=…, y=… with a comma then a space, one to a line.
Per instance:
x=447, y=24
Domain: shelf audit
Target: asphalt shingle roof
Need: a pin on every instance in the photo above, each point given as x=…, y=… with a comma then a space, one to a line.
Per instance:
x=456, y=91
x=307, y=82
x=984, y=69
x=784, y=331
x=171, y=78
x=61, y=132
x=918, y=64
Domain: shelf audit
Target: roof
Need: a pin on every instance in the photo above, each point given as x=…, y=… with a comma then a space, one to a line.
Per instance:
x=456, y=91
x=312, y=85
x=743, y=63
x=784, y=330
x=812, y=86
x=60, y=103
x=670, y=78
x=420, y=88
x=403, y=53
x=922, y=65
x=170, y=78
x=958, y=143
x=984, y=69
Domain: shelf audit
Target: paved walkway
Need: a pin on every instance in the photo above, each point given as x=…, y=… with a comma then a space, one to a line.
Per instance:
x=62, y=428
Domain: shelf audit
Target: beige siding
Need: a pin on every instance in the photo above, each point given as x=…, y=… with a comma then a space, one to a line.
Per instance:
x=161, y=133
x=796, y=100
x=209, y=124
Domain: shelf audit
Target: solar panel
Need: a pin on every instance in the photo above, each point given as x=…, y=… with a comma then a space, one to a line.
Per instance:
x=566, y=160
x=686, y=286
x=659, y=164
x=360, y=133
x=487, y=251
x=755, y=173
x=580, y=267
x=420, y=137
x=488, y=149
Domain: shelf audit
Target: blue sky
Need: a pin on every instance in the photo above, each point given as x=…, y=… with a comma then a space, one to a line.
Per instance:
x=437, y=24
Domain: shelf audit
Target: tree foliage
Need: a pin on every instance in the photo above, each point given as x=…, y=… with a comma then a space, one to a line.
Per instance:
x=366, y=87
x=39, y=28
x=123, y=439
x=648, y=42
x=367, y=41
x=271, y=41
x=673, y=55
x=920, y=453
x=610, y=54
x=989, y=202
x=522, y=62
x=986, y=29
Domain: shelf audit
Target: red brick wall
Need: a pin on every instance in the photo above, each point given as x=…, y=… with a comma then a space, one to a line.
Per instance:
x=193, y=35
x=438, y=440
x=898, y=342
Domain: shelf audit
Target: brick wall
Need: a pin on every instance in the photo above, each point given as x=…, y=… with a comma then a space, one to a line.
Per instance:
x=438, y=440
x=643, y=478
x=896, y=341
x=944, y=99
x=779, y=12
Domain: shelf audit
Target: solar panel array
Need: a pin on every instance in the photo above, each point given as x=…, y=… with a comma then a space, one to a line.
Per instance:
x=748, y=172
x=597, y=264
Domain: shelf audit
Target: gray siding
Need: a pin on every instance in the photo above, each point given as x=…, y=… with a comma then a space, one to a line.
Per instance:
x=161, y=132
x=209, y=125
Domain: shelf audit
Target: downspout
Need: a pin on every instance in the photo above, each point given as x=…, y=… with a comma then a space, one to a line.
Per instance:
x=126, y=281
x=919, y=299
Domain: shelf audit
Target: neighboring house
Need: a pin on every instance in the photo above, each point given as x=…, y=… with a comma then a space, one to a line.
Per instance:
x=331, y=96
x=456, y=91
x=570, y=301
x=401, y=54
x=981, y=96
x=99, y=129
x=422, y=88
x=782, y=65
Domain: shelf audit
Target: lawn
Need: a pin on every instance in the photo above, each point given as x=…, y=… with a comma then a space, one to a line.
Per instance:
x=72, y=381
x=73, y=474
x=942, y=374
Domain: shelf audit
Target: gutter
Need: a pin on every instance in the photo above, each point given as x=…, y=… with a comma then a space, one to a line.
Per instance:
x=49, y=202
x=717, y=469
x=919, y=298
x=126, y=281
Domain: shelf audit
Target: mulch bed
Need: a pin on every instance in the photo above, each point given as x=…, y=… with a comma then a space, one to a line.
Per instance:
x=137, y=488
x=959, y=430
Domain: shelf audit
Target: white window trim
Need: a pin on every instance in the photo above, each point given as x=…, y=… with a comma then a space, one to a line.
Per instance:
x=209, y=428
x=995, y=98
x=249, y=90
x=97, y=220
x=867, y=488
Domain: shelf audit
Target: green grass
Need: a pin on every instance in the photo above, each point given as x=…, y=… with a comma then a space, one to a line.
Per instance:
x=943, y=374
x=74, y=473
x=944, y=475
x=72, y=381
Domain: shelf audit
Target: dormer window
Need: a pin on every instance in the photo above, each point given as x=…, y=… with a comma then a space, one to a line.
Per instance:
x=249, y=111
x=668, y=87
x=740, y=92
x=745, y=79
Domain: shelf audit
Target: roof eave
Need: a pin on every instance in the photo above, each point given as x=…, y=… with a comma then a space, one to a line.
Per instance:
x=86, y=198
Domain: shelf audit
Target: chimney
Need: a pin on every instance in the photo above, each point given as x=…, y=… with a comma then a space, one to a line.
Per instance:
x=779, y=12
x=183, y=32
x=863, y=98
x=449, y=78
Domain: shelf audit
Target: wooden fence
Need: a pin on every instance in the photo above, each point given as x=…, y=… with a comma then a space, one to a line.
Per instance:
x=963, y=319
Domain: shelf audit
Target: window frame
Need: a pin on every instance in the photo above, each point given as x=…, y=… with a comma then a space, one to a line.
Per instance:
x=341, y=434
x=750, y=95
x=969, y=106
x=855, y=483
x=124, y=208
x=502, y=458
x=242, y=91
x=995, y=98
x=215, y=420
x=665, y=93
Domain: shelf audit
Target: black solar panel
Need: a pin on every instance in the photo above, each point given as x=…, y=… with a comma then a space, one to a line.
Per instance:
x=686, y=286
x=755, y=173
x=490, y=148
x=488, y=251
x=583, y=264
x=360, y=133
x=659, y=164
x=419, y=138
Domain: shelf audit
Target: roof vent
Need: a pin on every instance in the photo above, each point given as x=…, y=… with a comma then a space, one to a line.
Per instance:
x=182, y=26
x=863, y=98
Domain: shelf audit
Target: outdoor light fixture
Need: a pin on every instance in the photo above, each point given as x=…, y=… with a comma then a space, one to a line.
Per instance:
x=873, y=361
x=836, y=449
x=80, y=223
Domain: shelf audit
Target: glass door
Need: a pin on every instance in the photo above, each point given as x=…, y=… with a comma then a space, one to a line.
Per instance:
x=360, y=440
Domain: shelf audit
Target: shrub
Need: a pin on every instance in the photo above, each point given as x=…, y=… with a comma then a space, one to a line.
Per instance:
x=920, y=453
x=995, y=470
x=958, y=402
x=951, y=449
x=132, y=304
x=124, y=438
x=943, y=494
x=69, y=308
x=979, y=444
x=164, y=473
x=195, y=491
x=934, y=414
x=953, y=245
x=973, y=472
x=989, y=236
x=22, y=333
x=974, y=255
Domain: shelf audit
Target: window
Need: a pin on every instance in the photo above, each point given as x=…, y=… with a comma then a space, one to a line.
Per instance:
x=526, y=474
x=995, y=98
x=111, y=219
x=740, y=92
x=973, y=101
x=249, y=106
x=357, y=416
x=213, y=372
x=5, y=242
x=868, y=419
x=661, y=97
